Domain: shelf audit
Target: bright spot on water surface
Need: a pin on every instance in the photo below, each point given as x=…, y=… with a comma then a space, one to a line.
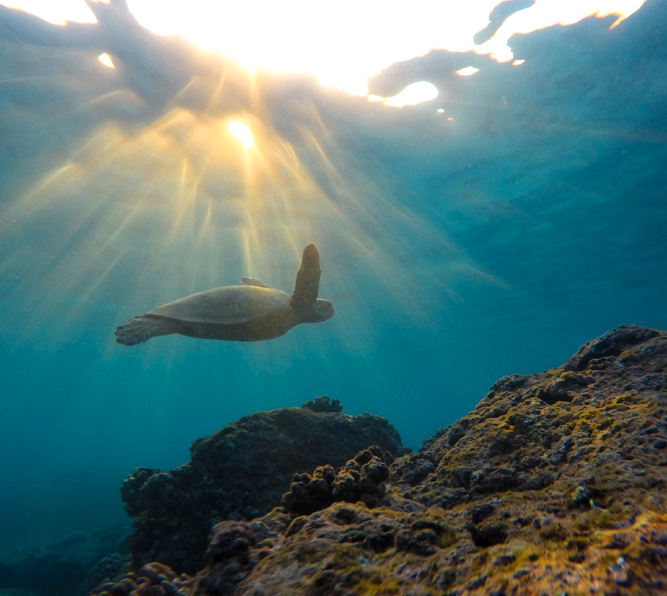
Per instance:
x=413, y=94
x=467, y=71
x=241, y=132
x=106, y=60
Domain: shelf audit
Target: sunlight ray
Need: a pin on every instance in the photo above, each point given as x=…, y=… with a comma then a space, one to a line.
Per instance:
x=96, y=100
x=29, y=78
x=84, y=297
x=214, y=198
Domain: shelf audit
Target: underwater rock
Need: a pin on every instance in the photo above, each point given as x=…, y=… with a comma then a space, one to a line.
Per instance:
x=240, y=472
x=322, y=403
x=361, y=479
x=236, y=548
x=62, y=568
x=554, y=484
x=110, y=567
x=526, y=495
x=153, y=579
x=593, y=421
x=333, y=547
x=612, y=343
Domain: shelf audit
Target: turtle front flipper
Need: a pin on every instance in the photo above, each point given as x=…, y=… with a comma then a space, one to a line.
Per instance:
x=307, y=279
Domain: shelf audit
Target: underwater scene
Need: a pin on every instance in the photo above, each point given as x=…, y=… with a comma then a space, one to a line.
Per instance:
x=390, y=328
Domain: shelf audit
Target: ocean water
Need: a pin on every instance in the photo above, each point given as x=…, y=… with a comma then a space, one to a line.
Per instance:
x=454, y=251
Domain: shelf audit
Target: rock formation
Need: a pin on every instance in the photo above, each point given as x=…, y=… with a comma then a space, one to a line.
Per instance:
x=239, y=473
x=59, y=569
x=554, y=484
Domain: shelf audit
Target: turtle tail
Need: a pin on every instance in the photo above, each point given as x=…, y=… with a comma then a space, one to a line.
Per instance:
x=307, y=279
x=139, y=330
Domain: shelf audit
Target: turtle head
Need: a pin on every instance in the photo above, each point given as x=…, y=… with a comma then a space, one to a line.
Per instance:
x=320, y=311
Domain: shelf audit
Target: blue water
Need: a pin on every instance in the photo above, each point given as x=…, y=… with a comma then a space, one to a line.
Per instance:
x=455, y=252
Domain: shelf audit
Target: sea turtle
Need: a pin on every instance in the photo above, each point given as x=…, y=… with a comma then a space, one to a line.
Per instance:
x=250, y=312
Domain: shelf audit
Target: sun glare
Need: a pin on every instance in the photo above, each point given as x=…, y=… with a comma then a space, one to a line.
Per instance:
x=106, y=60
x=241, y=132
x=413, y=94
x=467, y=71
x=54, y=12
x=278, y=39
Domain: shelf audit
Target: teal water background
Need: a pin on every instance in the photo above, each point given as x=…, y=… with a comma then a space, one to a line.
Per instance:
x=453, y=256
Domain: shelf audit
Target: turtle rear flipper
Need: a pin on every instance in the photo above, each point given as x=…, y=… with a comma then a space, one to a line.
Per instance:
x=307, y=279
x=140, y=329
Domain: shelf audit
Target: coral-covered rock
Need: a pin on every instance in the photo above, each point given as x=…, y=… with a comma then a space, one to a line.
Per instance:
x=328, y=552
x=361, y=479
x=236, y=548
x=240, y=472
x=322, y=403
x=554, y=484
x=107, y=569
x=594, y=421
x=153, y=579
x=611, y=344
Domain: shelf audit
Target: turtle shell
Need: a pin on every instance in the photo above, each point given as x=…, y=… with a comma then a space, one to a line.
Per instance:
x=228, y=305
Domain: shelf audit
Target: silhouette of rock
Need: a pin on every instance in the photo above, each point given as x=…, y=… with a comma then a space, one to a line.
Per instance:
x=60, y=569
x=239, y=472
x=322, y=403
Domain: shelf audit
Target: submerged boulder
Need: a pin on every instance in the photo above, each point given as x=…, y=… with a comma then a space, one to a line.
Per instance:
x=555, y=480
x=595, y=420
x=554, y=483
x=240, y=473
x=361, y=479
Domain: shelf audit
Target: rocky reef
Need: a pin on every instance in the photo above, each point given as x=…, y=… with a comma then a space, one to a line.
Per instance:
x=554, y=484
x=74, y=565
x=240, y=472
